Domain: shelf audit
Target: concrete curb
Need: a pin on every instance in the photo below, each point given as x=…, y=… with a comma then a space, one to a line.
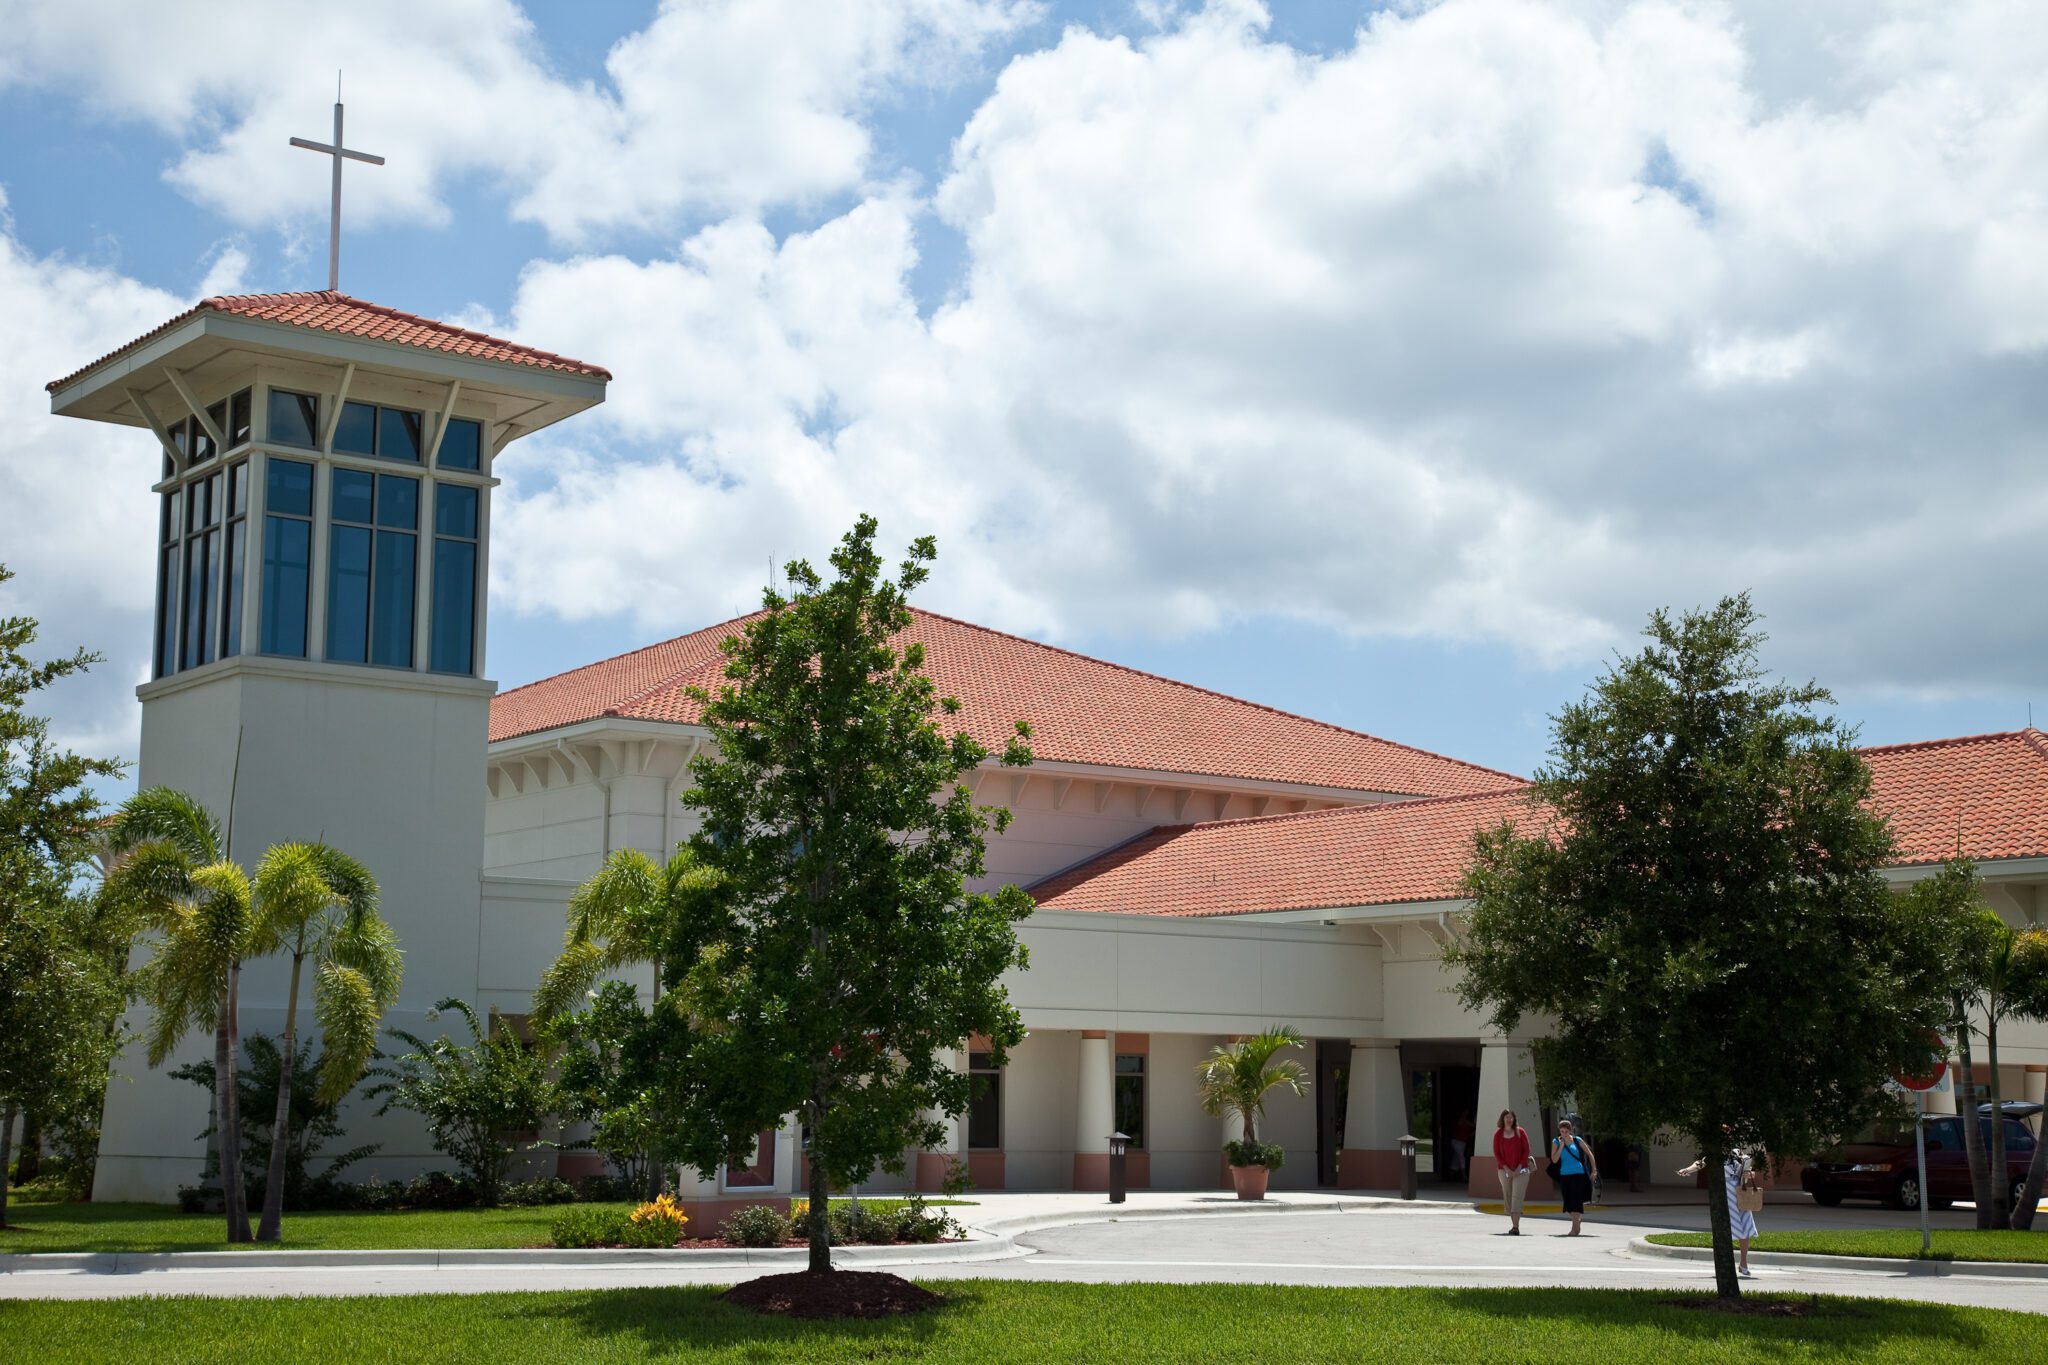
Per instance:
x=1890, y=1265
x=985, y=1248
x=1119, y=1213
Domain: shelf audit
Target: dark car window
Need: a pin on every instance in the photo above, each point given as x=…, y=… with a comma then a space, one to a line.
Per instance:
x=2018, y=1137
x=1945, y=1135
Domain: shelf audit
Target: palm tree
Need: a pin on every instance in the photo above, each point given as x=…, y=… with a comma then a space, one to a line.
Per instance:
x=174, y=874
x=1236, y=1078
x=316, y=902
x=627, y=915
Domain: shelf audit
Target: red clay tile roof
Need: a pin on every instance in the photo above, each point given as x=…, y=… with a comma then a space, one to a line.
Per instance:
x=326, y=311
x=1081, y=710
x=1985, y=795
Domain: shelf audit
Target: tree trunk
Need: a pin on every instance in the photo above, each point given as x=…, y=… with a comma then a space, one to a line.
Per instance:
x=271, y=1228
x=821, y=1200
x=1973, y=1136
x=6, y=1151
x=2001, y=1181
x=1726, y=1284
x=31, y=1148
x=226, y=1044
x=2037, y=1174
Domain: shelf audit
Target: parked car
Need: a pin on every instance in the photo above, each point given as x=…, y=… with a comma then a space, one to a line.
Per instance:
x=1880, y=1162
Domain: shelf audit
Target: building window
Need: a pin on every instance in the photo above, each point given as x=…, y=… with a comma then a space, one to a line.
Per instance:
x=287, y=556
x=238, y=419
x=235, y=566
x=455, y=554
x=985, y=1108
x=1130, y=1097
x=203, y=507
x=170, y=541
x=294, y=418
x=390, y=433
x=462, y=445
x=371, y=559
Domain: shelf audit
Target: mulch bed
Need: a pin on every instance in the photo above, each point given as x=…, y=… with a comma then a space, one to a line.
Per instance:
x=834, y=1294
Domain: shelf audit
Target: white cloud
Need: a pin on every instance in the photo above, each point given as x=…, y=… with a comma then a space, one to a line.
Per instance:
x=715, y=106
x=1510, y=322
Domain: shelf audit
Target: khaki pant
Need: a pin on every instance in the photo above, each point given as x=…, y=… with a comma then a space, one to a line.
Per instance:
x=1513, y=1185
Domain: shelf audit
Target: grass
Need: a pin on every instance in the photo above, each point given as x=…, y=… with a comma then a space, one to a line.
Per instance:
x=991, y=1321
x=1950, y=1244
x=161, y=1227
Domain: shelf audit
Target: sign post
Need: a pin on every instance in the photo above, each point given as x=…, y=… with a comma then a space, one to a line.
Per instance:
x=1920, y=1085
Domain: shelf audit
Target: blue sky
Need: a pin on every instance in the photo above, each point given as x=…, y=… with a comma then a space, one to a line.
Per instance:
x=1382, y=363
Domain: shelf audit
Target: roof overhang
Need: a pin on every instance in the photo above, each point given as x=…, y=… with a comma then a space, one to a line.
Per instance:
x=210, y=344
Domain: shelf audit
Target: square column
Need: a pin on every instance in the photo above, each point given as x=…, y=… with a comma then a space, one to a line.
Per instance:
x=1375, y=1117
x=1507, y=1080
x=1094, y=1112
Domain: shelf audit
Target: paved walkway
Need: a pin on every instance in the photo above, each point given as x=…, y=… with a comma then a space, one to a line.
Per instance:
x=1313, y=1238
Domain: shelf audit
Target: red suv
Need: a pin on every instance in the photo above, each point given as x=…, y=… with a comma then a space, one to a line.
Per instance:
x=1880, y=1164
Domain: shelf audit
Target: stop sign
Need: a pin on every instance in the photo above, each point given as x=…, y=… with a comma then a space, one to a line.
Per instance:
x=1931, y=1077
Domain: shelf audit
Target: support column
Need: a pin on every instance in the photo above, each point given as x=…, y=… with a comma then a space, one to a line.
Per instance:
x=1094, y=1112
x=1507, y=1080
x=2036, y=1089
x=929, y=1177
x=1375, y=1117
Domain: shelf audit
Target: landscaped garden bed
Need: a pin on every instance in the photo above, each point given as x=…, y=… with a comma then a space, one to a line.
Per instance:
x=661, y=1224
x=1950, y=1244
x=1001, y=1321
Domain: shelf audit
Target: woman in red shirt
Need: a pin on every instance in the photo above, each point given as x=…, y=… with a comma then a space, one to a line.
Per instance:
x=1511, y=1157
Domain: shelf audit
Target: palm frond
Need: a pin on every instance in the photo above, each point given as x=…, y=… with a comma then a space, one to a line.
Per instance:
x=291, y=893
x=610, y=902
x=367, y=946
x=346, y=1006
x=568, y=979
x=150, y=880
x=169, y=814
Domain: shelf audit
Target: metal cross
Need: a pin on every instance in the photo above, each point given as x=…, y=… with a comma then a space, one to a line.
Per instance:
x=337, y=151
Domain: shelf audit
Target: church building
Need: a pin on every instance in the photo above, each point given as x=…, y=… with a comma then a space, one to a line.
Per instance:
x=1203, y=866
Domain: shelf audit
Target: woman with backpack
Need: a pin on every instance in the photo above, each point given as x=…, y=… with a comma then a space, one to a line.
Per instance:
x=1513, y=1165
x=1573, y=1168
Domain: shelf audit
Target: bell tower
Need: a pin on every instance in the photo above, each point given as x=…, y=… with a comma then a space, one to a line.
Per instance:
x=322, y=545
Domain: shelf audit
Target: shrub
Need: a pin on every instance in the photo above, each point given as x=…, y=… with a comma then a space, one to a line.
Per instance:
x=917, y=1221
x=440, y=1190
x=757, y=1225
x=580, y=1226
x=1268, y=1154
x=546, y=1190
x=603, y=1189
x=658, y=1223
x=863, y=1222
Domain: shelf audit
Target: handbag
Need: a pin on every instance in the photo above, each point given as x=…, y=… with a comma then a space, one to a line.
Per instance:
x=1749, y=1196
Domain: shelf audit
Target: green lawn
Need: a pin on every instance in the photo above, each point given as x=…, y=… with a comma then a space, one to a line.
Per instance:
x=1967, y=1244
x=994, y=1322
x=161, y=1227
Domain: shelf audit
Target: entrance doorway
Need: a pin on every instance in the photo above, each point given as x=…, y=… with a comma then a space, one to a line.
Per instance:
x=1332, y=1094
x=1443, y=1100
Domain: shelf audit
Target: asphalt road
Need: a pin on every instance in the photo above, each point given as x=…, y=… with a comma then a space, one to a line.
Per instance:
x=1437, y=1246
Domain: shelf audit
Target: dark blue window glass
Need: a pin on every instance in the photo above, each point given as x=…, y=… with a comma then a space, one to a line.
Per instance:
x=398, y=503
x=391, y=612
x=462, y=446
x=348, y=594
x=294, y=418
x=398, y=434
x=238, y=419
x=288, y=488
x=455, y=511
x=167, y=613
x=287, y=571
x=454, y=648
x=232, y=568
x=356, y=432
x=354, y=496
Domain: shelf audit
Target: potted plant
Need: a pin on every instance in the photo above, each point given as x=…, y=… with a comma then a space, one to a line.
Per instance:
x=1235, y=1079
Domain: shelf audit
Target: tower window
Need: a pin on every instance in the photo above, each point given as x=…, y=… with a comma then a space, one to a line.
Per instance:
x=462, y=445
x=294, y=418
x=372, y=554
x=455, y=556
x=390, y=433
x=287, y=556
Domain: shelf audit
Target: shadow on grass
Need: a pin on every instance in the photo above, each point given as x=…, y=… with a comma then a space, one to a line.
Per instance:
x=1851, y=1326
x=668, y=1319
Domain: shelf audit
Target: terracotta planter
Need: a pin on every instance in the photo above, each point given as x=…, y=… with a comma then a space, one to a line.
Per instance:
x=1250, y=1181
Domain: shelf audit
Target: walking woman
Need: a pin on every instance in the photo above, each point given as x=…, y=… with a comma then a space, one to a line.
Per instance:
x=1742, y=1190
x=1573, y=1167
x=1511, y=1157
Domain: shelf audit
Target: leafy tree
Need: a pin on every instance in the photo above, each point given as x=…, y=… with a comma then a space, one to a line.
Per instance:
x=625, y=916
x=314, y=1126
x=2027, y=993
x=57, y=995
x=472, y=1095
x=172, y=868
x=1236, y=1078
x=1954, y=897
x=1697, y=904
x=609, y=1073
x=843, y=954
x=316, y=902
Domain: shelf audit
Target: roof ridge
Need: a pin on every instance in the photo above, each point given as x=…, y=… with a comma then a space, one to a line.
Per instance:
x=1223, y=696
x=2033, y=737
x=1363, y=808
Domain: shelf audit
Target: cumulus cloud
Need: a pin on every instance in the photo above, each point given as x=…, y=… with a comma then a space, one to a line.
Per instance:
x=1506, y=322
x=715, y=106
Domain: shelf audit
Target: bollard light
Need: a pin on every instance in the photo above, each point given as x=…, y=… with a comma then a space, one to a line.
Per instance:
x=1119, y=1144
x=1408, y=1141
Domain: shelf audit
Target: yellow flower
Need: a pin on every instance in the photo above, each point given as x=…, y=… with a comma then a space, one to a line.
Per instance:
x=662, y=1209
